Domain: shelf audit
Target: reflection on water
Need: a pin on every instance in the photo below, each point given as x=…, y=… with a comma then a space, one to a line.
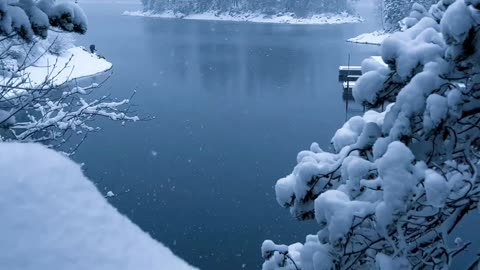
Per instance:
x=234, y=104
x=248, y=58
x=351, y=107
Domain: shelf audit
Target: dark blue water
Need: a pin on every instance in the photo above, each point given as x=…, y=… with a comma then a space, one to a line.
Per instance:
x=233, y=103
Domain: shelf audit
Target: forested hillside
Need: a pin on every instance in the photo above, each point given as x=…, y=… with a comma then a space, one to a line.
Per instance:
x=396, y=10
x=298, y=7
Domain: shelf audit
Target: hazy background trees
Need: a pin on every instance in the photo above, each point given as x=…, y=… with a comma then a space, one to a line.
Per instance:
x=396, y=10
x=298, y=7
x=392, y=11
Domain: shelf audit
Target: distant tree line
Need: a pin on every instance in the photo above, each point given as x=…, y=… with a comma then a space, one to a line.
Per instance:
x=394, y=11
x=298, y=7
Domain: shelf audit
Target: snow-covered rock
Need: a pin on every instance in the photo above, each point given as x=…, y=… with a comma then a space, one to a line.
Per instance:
x=52, y=217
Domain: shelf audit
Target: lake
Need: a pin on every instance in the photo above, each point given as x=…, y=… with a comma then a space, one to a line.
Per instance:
x=233, y=104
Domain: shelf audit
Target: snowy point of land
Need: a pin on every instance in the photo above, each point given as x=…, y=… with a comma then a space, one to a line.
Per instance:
x=53, y=217
x=50, y=70
x=74, y=63
x=374, y=38
x=341, y=18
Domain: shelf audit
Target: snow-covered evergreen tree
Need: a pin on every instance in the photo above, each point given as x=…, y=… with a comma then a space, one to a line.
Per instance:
x=399, y=181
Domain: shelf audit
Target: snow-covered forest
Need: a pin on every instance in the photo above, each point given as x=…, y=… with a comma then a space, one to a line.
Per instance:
x=298, y=7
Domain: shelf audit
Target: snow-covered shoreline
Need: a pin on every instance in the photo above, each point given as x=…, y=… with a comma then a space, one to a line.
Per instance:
x=74, y=64
x=373, y=38
x=252, y=17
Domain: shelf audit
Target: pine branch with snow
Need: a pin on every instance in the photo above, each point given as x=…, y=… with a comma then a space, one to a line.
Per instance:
x=397, y=182
x=29, y=18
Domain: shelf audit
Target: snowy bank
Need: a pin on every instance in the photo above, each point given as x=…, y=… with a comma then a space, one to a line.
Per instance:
x=75, y=63
x=252, y=17
x=55, y=218
x=374, y=38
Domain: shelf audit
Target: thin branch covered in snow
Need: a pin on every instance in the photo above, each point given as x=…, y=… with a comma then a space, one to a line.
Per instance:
x=399, y=181
x=53, y=114
x=42, y=109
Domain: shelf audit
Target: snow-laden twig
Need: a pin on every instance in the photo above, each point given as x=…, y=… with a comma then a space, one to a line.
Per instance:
x=50, y=113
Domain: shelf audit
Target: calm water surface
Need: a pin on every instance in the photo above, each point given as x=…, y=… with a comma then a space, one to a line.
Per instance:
x=233, y=103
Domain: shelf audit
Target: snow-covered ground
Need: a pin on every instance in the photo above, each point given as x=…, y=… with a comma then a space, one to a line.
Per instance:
x=53, y=217
x=75, y=63
x=253, y=17
x=374, y=38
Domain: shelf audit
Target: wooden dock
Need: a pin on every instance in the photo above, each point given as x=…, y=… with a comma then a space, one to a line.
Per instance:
x=348, y=75
x=345, y=72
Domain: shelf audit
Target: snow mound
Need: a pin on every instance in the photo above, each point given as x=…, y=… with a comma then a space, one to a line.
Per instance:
x=374, y=38
x=252, y=17
x=54, y=218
